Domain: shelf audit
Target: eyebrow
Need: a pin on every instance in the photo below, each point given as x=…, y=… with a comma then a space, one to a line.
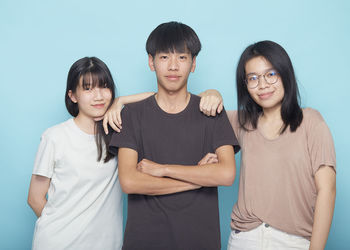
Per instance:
x=255, y=73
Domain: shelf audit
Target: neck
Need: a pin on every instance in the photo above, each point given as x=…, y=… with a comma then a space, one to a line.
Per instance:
x=85, y=124
x=172, y=102
x=272, y=114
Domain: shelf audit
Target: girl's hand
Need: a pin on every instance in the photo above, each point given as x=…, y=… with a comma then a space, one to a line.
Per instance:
x=208, y=159
x=151, y=168
x=211, y=102
x=113, y=117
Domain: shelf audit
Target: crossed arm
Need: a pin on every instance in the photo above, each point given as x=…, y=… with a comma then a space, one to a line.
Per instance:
x=147, y=177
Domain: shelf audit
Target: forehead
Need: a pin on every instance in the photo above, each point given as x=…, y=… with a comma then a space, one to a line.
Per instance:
x=257, y=64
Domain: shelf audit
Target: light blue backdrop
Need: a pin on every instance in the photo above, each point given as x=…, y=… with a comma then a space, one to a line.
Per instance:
x=41, y=39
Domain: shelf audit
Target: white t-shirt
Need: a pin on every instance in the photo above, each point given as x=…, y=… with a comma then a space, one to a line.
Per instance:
x=84, y=205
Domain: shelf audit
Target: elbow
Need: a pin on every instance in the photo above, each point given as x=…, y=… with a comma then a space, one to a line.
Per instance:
x=228, y=180
x=127, y=185
x=228, y=176
x=32, y=201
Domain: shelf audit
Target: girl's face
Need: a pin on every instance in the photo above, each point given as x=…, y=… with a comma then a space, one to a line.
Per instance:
x=266, y=95
x=93, y=102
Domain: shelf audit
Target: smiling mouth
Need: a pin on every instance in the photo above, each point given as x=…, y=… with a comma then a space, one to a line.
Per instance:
x=98, y=106
x=265, y=95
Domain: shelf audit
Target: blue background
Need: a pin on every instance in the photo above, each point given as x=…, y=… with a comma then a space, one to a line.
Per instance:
x=41, y=39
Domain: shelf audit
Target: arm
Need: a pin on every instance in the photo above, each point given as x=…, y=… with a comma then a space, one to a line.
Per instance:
x=211, y=102
x=216, y=174
x=112, y=116
x=39, y=185
x=326, y=189
x=135, y=182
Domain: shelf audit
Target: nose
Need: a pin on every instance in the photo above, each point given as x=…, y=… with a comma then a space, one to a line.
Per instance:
x=262, y=83
x=98, y=93
x=173, y=63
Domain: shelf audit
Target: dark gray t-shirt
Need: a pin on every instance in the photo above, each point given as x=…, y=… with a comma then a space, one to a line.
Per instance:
x=185, y=220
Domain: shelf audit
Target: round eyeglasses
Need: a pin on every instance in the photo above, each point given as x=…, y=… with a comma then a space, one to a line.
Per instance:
x=252, y=80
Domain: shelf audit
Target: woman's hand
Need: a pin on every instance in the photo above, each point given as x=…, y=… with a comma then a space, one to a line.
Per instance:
x=211, y=102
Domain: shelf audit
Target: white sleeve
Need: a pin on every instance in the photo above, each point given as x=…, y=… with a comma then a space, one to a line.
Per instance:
x=45, y=157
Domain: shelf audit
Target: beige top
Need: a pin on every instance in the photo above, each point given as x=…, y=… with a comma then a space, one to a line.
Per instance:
x=277, y=184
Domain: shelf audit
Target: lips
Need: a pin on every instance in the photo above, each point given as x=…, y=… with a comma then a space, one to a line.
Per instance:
x=266, y=95
x=173, y=77
x=98, y=106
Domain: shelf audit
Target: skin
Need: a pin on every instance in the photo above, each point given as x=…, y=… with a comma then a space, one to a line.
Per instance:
x=270, y=97
x=210, y=104
x=172, y=71
x=92, y=104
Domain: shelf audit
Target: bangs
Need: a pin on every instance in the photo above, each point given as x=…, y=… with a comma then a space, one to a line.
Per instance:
x=173, y=37
x=95, y=78
x=171, y=41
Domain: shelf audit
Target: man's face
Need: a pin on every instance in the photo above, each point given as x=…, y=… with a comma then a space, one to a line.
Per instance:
x=172, y=69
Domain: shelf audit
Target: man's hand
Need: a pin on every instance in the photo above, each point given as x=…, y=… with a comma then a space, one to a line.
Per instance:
x=113, y=117
x=151, y=168
x=208, y=159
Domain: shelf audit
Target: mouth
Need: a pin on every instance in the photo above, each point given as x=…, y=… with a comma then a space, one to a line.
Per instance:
x=173, y=77
x=99, y=106
x=265, y=96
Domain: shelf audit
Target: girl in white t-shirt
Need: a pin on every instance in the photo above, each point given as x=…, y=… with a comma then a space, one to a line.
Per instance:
x=83, y=208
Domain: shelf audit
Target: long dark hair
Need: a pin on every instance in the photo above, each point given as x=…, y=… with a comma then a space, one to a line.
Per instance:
x=89, y=68
x=248, y=110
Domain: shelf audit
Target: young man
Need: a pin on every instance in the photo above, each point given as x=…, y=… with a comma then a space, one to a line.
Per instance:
x=172, y=201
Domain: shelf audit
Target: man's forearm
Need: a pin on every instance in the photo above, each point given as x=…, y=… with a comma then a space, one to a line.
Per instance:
x=141, y=183
x=208, y=175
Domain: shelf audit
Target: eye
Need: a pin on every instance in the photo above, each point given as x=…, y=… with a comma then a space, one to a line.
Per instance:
x=183, y=57
x=252, y=78
x=87, y=86
x=271, y=73
x=163, y=57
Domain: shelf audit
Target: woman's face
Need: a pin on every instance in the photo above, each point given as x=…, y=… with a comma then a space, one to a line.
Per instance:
x=266, y=95
x=93, y=102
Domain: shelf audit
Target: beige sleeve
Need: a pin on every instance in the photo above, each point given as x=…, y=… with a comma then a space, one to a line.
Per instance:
x=233, y=118
x=320, y=144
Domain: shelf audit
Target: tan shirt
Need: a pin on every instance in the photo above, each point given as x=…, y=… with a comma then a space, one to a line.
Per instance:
x=277, y=184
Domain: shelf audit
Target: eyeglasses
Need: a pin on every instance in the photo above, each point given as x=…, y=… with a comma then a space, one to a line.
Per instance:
x=270, y=77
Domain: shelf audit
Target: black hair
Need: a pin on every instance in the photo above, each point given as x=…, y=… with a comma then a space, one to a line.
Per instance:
x=248, y=110
x=173, y=37
x=87, y=69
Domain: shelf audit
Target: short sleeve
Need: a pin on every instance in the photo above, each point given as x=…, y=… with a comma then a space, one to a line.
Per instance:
x=320, y=144
x=45, y=158
x=127, y=137
x=223, y=133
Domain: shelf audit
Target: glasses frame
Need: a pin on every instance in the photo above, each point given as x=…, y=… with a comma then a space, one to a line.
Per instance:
x=258, y=81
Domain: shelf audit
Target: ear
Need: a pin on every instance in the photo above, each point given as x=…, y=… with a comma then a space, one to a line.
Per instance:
x=72, y=96
x=193, y=64
x=151, y=62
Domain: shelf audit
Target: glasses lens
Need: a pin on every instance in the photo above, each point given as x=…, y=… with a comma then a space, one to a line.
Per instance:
x=252, y=81
x=271, y=76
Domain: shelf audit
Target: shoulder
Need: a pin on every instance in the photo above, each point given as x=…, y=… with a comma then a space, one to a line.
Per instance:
x=139, y=105
x=57, y=132
x=312, y=117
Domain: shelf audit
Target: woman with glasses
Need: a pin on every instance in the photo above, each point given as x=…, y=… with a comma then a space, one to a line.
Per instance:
x=287, y=178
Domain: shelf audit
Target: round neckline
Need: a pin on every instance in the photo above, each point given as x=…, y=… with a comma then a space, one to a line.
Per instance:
x=185, y=110
x=267, y=139
x=80, y=131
